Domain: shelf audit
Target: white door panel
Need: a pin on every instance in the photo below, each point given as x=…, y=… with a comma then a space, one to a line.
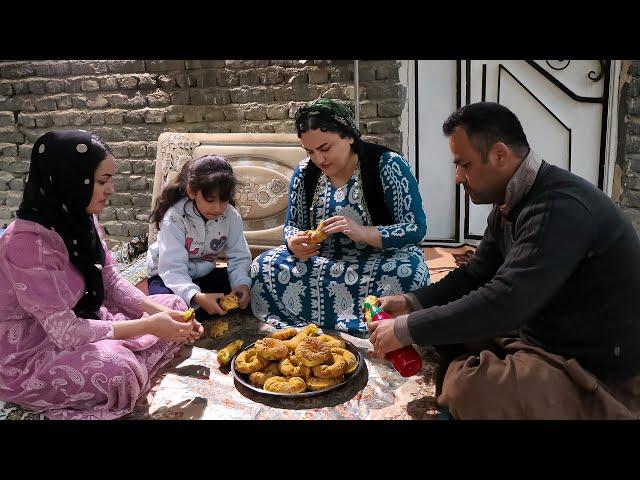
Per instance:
x=436, y=95
x=559, y=103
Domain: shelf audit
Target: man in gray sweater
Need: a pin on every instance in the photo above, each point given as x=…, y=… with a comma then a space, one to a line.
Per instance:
x=544, y=319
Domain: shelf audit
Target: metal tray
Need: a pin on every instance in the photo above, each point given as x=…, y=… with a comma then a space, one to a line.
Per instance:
x=243, y=378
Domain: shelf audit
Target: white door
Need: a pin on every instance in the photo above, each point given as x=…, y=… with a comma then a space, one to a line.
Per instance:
x=562, y=105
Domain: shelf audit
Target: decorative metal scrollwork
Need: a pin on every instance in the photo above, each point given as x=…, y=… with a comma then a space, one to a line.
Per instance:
x=595, y=77
x=559, y=64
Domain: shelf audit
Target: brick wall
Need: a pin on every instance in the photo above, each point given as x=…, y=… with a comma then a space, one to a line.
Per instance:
x=629, y=144
x=128, y=103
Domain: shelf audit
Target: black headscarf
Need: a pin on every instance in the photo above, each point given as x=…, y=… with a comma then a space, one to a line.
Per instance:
x=57, y=193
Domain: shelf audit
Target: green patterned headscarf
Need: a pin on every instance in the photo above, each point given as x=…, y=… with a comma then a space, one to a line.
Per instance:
x=335, y=111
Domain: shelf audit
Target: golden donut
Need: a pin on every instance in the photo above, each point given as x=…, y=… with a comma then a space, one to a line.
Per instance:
x=333, y=342
x=226, y=354
x=229, y=302
x=291, y=367
x=312, y=352
x=317, y=235
x=284, y=334
x=218, y=328
x=271, y=349
x=285, y=385
x=308, y=331
x=258, y=378
x=311, y=329
x=248, y=362
x=350, y=359
x=315, y=383
x=333, y=370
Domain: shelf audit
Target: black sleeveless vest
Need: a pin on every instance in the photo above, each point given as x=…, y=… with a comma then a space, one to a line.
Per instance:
x=369, y=156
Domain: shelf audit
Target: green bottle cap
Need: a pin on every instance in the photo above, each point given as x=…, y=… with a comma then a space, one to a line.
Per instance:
x=374, y=308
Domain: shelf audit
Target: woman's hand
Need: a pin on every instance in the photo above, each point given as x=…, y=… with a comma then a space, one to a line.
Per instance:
x=169, y=326
x=197, y=331
x=353, y=230
x=242, y=291
x=209, y=301
x=300, y=246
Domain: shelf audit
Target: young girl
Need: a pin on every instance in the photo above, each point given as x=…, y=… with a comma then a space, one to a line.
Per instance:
x=197, y=221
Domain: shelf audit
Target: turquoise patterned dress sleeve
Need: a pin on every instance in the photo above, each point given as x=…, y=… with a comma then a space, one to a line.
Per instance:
x=400, y=190
x=296, y=216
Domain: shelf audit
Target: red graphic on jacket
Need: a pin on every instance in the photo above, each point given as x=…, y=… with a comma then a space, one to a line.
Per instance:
x=187, y=244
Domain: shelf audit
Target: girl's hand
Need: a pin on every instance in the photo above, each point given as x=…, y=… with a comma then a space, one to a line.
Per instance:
x=300, y=246
x=348, y=226
x=169, y=326
x=242, y=291
x=209, y=301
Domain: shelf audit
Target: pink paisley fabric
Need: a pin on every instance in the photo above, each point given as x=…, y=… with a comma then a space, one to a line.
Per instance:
x=54, y=362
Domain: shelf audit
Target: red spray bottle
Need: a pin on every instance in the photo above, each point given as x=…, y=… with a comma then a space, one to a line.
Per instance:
x=405, y=360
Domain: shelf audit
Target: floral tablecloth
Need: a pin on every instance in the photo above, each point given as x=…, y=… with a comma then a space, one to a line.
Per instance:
x=194, y=386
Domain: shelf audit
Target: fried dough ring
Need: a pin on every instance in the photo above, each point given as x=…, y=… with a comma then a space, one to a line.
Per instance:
x=312, y=352
x=335, y=369
x=229, y=302
x=350, y=359
x=291, y=367
x=284, y=334
x=271, y=349
x=285, y=385
x=333, y=342
x=308, y=331
x=248, y=361
x=315, y=383
x=258, y=378
x=317, y=235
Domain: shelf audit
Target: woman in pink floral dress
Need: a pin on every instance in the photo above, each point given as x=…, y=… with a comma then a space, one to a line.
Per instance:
x=77, y=341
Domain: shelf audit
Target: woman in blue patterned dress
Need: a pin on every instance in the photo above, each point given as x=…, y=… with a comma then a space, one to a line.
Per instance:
x=372, y=210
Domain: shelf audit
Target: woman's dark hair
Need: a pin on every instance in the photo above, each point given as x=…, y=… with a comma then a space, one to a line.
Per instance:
x=326, y=125
x=487, y=123
x=209, y=174
x=100, y=146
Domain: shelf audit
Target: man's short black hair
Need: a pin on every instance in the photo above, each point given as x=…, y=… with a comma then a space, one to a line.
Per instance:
x=487, y=123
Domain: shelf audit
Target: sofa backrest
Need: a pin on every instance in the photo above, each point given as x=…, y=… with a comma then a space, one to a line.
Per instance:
x=264, y=164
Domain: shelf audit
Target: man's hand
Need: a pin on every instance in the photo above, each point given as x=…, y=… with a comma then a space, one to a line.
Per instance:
x=382, y=337
x=395, y=305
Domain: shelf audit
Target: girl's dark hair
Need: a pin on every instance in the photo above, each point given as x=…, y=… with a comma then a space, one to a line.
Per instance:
x=208, y=174
x=326, y=125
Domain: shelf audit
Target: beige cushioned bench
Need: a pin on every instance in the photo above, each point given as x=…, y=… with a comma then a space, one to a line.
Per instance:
x=264, y=164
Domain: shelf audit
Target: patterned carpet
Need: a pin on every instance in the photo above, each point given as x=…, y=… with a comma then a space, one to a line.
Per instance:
x=194, y=386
